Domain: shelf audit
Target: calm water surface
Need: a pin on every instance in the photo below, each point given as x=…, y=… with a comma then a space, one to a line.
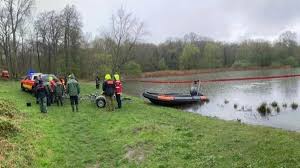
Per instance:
x=248, y=95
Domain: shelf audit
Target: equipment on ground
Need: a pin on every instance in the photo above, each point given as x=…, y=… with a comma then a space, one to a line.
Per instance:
x=96, y=98
x=100, y=100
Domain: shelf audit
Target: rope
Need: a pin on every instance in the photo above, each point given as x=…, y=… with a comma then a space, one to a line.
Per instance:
x=220, y=80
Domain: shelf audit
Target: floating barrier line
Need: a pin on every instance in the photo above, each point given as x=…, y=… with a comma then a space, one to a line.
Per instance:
x=221, y=80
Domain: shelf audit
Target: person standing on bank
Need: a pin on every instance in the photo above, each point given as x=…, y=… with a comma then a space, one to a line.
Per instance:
x=59, y=92
x=73, y=90
x=48, y=87
x=52, y=87
x=108, y=88
x=42, y=93
x=118, y=91
x=97, y=82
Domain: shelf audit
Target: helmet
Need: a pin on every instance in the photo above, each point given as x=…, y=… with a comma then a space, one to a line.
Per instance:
x=117, y=77
x=50, y=78
x=72, y=76
x=107, y=77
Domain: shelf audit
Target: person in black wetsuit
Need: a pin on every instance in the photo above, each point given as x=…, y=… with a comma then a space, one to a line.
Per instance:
x=194, y=88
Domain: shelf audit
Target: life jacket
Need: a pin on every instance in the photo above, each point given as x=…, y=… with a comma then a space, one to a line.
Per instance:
x=52, y=85
x=63, y=83
x=41, y=91
x=40, y=87
x=109, y=87
x=119, y=87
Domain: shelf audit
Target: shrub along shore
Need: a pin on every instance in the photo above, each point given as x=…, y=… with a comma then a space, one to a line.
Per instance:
x=138, y=135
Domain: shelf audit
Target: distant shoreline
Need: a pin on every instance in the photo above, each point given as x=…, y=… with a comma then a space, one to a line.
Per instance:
x=204, y=71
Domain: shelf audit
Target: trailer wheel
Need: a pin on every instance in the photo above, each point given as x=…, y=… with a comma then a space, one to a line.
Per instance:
x=100, y=102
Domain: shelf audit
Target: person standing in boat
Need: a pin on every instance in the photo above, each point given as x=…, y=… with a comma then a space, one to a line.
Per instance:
x=194, y=88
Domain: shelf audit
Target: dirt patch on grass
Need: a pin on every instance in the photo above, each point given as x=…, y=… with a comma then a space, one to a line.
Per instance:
x=138, y=152
x=145, y=128
x=135, y=154
x=5, y=147
x=7, y=128
x=7, y=113
x=1, y=158
x=96, y=165
x=7, y=108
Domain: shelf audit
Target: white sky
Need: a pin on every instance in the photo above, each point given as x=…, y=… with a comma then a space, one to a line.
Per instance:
x=226, y=20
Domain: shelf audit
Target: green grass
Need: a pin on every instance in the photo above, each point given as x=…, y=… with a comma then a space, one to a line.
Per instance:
x=139, y=135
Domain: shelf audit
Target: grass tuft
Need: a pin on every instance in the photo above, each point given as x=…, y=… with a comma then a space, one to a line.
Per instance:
x=278, y=109
x=226, y=101
x=284, y=105
x=235, y=106
x=294, y=106
x=7, y=128
x=274, y=104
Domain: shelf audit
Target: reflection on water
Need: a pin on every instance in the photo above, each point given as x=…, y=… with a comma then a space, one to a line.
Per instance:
x=247, y=95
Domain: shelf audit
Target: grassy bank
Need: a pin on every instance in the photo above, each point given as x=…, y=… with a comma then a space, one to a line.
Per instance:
x=139, y=135
x=204, y=71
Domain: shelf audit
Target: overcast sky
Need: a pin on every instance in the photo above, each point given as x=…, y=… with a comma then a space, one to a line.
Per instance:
x=225, y=20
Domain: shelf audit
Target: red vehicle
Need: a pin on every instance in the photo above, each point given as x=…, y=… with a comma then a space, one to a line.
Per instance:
x=5, y=74
x=28, y=82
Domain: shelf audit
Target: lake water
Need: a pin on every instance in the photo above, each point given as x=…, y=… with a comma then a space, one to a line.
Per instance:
x=248, y=95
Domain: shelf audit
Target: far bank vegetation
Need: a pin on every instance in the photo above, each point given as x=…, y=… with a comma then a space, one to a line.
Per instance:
x=54, y=42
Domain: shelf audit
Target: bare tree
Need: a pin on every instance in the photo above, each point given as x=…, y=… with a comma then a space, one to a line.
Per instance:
x=5, y=35
x=288, y=38
x=49, y=31
x=13, y=15
x=125, y=33
x=72, y=34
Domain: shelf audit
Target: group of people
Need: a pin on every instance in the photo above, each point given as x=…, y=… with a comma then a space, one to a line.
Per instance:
x=111, y=87
x=52, y=90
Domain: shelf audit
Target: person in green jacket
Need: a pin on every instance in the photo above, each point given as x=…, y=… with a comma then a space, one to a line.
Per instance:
x=73, y=89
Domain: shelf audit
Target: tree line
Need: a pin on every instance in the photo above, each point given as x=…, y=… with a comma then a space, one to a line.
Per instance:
x=53, y=42
x=196, y=52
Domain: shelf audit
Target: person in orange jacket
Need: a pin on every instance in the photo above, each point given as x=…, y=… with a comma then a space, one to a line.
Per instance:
x=119, y=89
